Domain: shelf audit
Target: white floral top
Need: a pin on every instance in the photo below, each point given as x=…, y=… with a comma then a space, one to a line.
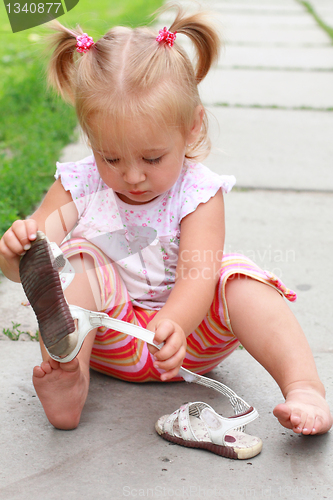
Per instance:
x=142, y=240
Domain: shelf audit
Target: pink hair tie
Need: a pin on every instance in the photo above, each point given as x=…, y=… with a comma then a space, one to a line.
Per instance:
x=166, y=36
x=84, y=42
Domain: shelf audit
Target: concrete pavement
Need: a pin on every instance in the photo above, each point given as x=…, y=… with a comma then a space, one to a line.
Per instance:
x=271, y=96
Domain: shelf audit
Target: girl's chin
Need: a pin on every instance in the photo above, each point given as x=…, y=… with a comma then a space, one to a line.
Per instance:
x=136, y=199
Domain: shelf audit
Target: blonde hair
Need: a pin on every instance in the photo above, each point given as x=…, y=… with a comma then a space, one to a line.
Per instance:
x=127, y=73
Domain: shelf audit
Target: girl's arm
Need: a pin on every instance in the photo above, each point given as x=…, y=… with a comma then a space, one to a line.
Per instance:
x=200, y=254
x=56, y=216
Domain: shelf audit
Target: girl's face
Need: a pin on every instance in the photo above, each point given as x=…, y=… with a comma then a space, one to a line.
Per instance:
x=146, y=164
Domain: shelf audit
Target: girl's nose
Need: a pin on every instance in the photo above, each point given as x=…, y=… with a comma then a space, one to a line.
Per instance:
x=133, y=175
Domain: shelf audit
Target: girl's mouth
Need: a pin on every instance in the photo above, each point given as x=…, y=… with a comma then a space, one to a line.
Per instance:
x=137, y=192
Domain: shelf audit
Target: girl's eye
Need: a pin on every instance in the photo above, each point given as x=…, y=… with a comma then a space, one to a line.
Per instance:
x=153, y=161
x=111, y=161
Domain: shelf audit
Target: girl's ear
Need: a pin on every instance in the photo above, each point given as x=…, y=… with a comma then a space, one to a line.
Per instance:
x=196, y=125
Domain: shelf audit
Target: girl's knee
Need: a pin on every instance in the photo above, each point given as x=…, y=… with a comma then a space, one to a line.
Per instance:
x=235, y=283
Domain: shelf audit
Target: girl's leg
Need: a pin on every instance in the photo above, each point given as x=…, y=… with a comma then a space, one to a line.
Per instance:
x=266, y=327
x=63, y=387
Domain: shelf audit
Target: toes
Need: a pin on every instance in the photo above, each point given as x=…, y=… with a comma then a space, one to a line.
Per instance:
x=53, y=363
x=297, y=420
x=303, y=423
x=282, y=412
x=71, y=366
x=38, y=372
x=318, y=425
x=300, y=422
x=308, y=425
x=46, y=367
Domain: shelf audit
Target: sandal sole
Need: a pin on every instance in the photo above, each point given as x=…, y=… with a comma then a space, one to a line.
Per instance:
x=223, y=451
x=42, y=286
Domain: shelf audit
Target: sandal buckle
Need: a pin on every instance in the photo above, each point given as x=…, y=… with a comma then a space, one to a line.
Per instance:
x=96, y=319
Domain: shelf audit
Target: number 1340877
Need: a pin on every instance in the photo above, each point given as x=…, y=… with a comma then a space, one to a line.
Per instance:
x=32, y=8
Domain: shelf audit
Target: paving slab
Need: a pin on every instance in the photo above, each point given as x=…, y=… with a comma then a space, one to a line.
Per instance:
x=77, y=150
x=282, y=8
x=268, y=20
x=267, y=36
x=266, y=56
x=327, y=17
x=273, y=148
x=278, y=6
x=244, y=18
x=278, y=58
x=324, y=8
x=324, y=4
x=290, y=234
x=273, y=35
x=14, y=310
x=292, y=89
x=116, y=453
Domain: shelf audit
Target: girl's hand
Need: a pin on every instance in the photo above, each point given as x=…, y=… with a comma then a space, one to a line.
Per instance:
x=172, y=354
x=16, y=240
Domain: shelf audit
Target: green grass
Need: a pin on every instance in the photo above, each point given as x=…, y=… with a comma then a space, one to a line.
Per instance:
x=14, y=333
x=318, y=19
x=35, y=124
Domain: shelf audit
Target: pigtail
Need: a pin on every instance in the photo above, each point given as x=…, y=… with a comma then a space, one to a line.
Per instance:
x=60, y=75
x=203, y=34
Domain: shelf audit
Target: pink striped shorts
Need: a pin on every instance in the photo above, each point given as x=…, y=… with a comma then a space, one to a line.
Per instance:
x=128, y=358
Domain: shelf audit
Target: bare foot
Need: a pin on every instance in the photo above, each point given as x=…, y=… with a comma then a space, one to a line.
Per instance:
x=62, y=389
x=304, y=411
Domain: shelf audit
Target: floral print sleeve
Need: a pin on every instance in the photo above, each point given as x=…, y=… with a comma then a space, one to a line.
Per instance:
x=81, y=178
x=198, y=185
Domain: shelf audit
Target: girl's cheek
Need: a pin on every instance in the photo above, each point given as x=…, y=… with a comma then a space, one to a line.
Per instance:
x=107, y=176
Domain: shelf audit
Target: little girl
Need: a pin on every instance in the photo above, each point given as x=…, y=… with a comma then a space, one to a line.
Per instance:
x=146, y=226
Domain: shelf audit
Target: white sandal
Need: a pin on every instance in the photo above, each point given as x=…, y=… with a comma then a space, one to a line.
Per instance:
x=197, y=425
x=194, y=425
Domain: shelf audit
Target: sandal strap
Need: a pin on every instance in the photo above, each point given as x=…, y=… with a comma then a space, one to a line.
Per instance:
x=98, y=319
x=182, y=415
x=238, y=404
x=218, y=426
x=215, y=425
x=66, y=270
x=88, y=320
x=184, y=422
x=169, y=423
